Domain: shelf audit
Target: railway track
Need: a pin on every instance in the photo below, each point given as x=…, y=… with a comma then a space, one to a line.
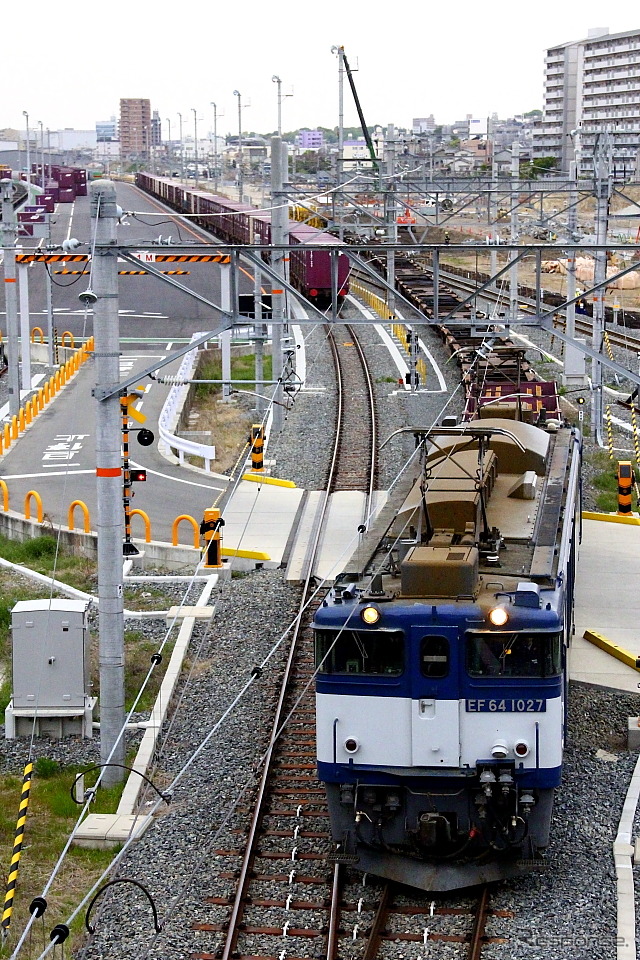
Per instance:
x=286, y=889
x=453, y=284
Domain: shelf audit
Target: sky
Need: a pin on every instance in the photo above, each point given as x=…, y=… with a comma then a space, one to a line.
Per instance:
x=418, y=59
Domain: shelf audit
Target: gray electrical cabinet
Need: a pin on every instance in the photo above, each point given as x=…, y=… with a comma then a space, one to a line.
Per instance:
x=51, y=666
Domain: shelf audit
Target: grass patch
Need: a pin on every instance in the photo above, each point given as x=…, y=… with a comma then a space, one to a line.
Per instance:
x=242, y=368
x=50, y=818
x=604, y=481
x=138, y=653
x=39, y=554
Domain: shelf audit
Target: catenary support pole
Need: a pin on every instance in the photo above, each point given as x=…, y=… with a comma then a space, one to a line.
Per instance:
x=225, y=336
x=602, y=171
x=25, y=327
x=279, y=236
x=110, y=528
x=9, y=232
x=513, y=273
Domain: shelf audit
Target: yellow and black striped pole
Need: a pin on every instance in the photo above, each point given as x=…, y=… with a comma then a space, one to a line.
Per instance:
x=18, y=840
x=634, y=432
x=609, y=431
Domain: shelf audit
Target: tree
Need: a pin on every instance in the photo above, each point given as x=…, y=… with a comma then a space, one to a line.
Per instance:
x=533, y=169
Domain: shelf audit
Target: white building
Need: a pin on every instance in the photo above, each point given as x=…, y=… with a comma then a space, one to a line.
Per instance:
x=591, y=86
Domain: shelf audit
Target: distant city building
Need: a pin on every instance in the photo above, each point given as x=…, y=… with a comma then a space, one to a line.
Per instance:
x=310, y=139
x=135, y=128
x=356, y=153
x=156, y=129
x=106, y=130
x=591, y=86
x=423, y=125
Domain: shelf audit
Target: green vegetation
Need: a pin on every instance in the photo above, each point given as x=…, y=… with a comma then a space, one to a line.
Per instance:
x=242, y=368
x=532, y=170
x=51, y=816
x=604, y=480
x=42, y=555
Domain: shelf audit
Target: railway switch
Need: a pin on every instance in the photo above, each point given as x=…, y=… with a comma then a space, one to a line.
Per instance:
x=210, y=529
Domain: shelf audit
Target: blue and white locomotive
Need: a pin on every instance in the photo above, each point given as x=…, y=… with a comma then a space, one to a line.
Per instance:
x=441, y=685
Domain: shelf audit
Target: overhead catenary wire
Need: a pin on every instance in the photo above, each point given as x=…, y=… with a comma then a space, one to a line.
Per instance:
x=256, y=673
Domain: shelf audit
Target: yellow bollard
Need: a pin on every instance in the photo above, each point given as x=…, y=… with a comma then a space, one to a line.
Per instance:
x=14, y=427
x=7, y=436
x=28, y=412
x=21, y=423
x=27, y=505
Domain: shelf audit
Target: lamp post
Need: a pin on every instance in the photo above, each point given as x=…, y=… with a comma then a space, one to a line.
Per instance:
x=41, y=154
x=169, y=151
x=276, y=79
x=237, y=94
x=215, y=146
x=25, y=114
x=195, y=141
x=181, y=149
x=49, y=149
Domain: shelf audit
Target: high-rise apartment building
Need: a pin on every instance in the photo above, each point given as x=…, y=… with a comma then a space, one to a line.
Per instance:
x=135, y=128
x=591, y=86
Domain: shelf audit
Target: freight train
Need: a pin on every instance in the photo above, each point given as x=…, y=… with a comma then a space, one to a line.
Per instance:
x=441, y=657
x=233, y=222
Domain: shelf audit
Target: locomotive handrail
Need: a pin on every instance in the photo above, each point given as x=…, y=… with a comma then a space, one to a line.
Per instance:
x=464, y=431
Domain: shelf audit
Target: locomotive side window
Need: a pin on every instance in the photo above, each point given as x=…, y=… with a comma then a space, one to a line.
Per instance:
x=434, y=656
x=374, y=653
x=514, y=655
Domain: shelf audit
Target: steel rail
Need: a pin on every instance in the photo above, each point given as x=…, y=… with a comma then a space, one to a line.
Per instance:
x=477, y=934
x=237, y=912
x=379, y=921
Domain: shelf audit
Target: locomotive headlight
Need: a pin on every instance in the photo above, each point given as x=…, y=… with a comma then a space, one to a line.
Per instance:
x=498, y=616
x=370, y=615
x=521, y=748
x=499, y=750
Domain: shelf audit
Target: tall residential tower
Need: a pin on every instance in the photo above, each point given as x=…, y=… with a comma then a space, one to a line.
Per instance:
x=591, y=86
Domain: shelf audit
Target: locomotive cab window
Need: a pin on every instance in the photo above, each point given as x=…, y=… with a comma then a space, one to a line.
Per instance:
x=434, y=657
x=362, y=652
x=535, y=655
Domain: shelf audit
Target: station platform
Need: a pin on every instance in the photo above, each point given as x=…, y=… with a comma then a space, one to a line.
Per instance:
x=607, y=602
x=276, y=525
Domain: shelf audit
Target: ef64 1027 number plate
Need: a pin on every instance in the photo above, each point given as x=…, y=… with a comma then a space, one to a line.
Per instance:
x=506, y=705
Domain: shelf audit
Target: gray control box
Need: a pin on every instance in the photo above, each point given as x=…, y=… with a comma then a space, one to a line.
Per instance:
x=50, y=654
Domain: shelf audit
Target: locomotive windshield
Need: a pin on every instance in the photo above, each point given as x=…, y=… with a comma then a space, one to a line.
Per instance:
x=370, y=652
x=514, y=654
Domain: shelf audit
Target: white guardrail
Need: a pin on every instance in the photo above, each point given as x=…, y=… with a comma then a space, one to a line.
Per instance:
x=172, y=409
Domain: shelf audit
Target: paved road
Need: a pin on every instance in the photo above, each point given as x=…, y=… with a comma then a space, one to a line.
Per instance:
x=56, y=456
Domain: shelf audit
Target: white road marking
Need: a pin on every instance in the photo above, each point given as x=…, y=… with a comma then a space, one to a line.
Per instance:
x=165, y=476
x=58, y=473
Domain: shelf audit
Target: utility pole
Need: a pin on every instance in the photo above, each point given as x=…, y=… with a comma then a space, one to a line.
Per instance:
x=237, y=94
x=195, y=142
x=9, y=234
x=602, y=181
x=215, y=146
x=181, y=149
x=110, y=527
x=513, y=272
x=279, y=237
x=26, y=115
